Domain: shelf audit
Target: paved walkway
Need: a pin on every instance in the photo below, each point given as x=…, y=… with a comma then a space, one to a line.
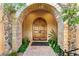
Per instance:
x=39, y=51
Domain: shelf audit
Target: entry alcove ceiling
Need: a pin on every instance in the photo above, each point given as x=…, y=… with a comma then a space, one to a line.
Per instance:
x=36, y=6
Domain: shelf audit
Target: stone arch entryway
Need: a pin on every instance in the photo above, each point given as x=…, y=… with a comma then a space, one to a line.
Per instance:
x=32, y=13
x=47, y=9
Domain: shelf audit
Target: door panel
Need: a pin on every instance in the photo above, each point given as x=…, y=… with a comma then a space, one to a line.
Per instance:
x=39, y=30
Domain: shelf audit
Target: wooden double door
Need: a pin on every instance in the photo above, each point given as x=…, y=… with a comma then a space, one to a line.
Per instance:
x=39, y=30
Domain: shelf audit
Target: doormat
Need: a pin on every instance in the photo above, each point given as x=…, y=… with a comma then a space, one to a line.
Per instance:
x=40, y=44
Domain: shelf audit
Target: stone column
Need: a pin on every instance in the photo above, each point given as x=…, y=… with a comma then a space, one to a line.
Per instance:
x=14, y=26
x=65, y=37
x=19, y=34
x=1, y=31
x=60, y=29
x=16, y=33
x=14, y=46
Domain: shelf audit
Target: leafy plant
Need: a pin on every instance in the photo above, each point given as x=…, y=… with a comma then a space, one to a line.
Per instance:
x=70, y=14
x=13, y=7
x=25, y=43
x=8, y=8
x=13, y=54
x=54, y=44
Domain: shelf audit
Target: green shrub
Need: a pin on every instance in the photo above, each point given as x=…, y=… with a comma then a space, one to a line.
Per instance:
x=13, y=54
x=56, y=47
x=25, y=43
x=50, y=41
x=54, y=44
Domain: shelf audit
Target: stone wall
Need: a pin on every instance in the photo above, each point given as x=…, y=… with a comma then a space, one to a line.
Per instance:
x=1, y=32
x=77, y=38
x=72, y=37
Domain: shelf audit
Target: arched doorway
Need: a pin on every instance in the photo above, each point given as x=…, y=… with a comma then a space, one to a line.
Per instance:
x=41, y=19
x=39, y=30
x=50, y=10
